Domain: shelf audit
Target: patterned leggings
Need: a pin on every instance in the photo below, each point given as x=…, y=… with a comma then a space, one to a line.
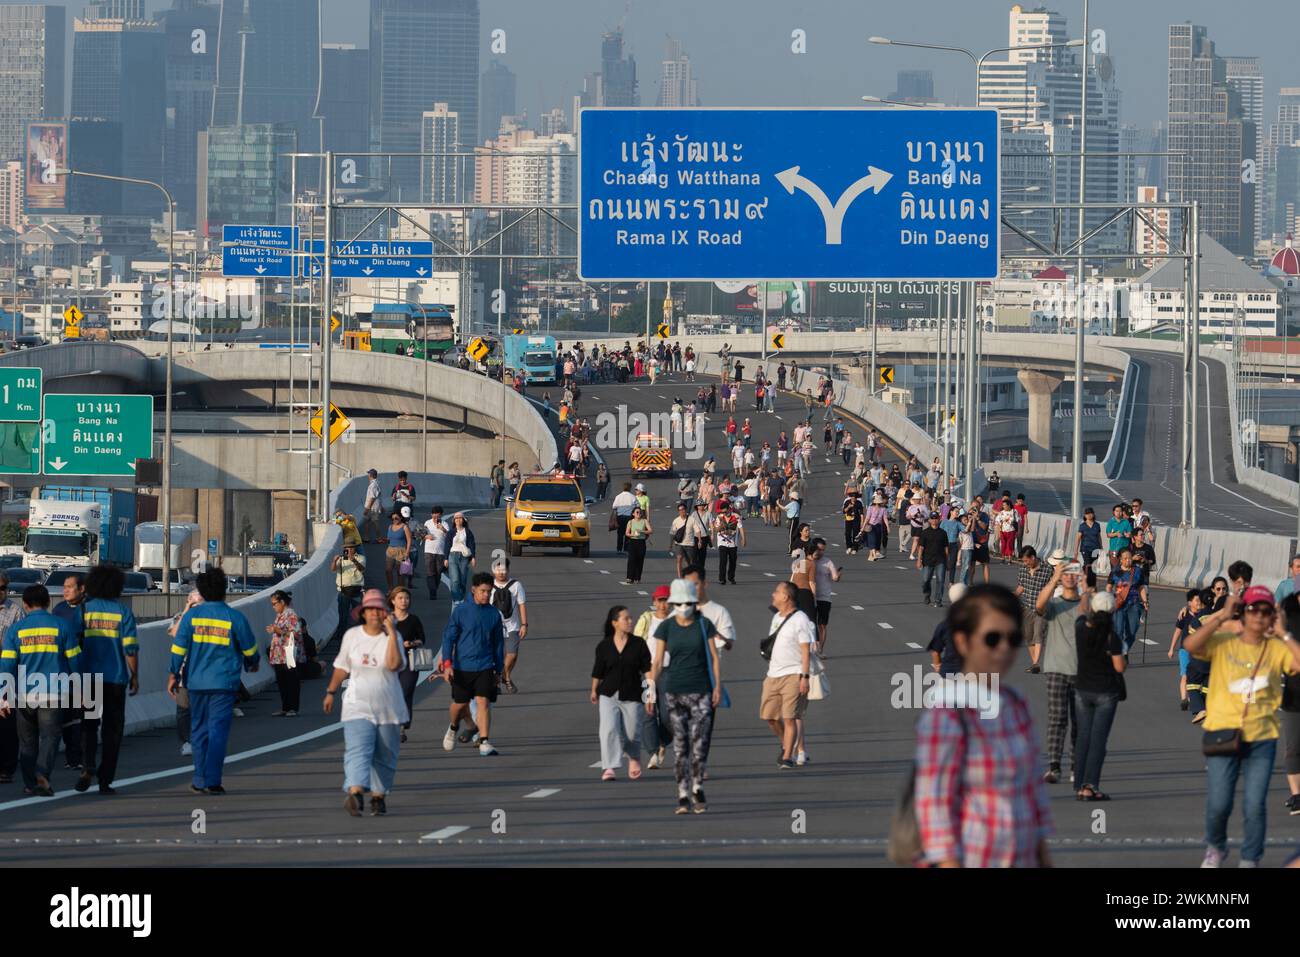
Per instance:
x=691, y=718
x=1060, y=713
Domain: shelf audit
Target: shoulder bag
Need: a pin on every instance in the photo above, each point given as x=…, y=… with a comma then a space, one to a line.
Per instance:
x=1228, y=741
x=767, y=644
x=905, y=848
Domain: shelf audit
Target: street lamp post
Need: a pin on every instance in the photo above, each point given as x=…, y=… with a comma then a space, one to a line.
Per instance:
x=167, y=414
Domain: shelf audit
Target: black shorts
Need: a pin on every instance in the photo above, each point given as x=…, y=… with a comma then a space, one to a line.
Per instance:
x=823, y=612
x=981, y=556
x=806, y=603
x=473, y=684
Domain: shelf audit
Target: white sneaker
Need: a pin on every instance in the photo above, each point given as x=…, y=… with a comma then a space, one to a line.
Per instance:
x=291, y=714
x=186, y=749
x=801, y=758
x=449, y=739
x=239, y=713
x=485, y=750
x=654, y=760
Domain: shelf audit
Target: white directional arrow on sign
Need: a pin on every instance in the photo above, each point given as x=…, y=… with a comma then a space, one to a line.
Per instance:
x=58, y=464
x=876, y=179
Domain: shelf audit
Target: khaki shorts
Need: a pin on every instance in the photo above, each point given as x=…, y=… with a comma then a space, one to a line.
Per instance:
x=1035, y=626
x=782, y=700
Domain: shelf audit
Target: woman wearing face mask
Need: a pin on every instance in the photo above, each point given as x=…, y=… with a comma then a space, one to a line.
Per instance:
x=692, y=690
x=979, y=798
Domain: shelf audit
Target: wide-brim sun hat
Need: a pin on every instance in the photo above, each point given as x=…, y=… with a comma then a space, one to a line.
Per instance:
x=1058, y=557
x=683, y=592
x=373, y=598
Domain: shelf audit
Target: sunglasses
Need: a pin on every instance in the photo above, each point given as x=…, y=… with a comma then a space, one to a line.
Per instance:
x=1261, y=609
x=995, y=638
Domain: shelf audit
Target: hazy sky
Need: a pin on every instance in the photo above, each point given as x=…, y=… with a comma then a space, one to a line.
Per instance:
x=741, y=48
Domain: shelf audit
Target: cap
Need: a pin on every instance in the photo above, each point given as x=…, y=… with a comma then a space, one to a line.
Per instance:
x=663, y=591
x=955, y=591
x=640, y=487
x=1058, y=557
x=1257, y=594
x=683, y=593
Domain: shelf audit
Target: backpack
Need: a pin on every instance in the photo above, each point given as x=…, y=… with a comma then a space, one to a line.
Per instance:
x=502, y=600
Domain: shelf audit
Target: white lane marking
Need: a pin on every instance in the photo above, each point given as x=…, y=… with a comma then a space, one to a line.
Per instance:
x=586, y=561
x=543, y=793
x=858, y=608
x=912, y=644
x=445, y=833
x=1148, y=641
x=769, y=574
x=833, y=594
x=901, y=568
x=594, y=764
x=745, y=565
x=604, y=572
x=885, y=625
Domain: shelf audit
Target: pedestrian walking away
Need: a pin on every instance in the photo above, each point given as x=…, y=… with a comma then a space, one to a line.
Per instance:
x=509, y=598
x=287, y=654
x=618, y=677
x=70, y=609
x=212, y=646
x=473, y=657
x=29, y=657
x=693, y=690
x=373, y=710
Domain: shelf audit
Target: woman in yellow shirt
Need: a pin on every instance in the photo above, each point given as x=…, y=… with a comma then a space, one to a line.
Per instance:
x=1246, y=673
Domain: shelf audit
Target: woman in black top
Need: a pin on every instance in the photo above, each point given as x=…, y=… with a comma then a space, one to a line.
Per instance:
x=411, y=630
x=1098, y=690
x=622, y=661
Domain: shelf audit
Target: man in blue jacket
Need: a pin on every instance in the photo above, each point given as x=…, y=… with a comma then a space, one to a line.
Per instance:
x=109, y=647
x=213, y=644
x=473, y=656
x=47, y=649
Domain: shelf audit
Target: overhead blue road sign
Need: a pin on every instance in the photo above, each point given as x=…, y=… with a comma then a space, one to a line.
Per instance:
x=259, y=251
x=788, y=194
x=373, y=259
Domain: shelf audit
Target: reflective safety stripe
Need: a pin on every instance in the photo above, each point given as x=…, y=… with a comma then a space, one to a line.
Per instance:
x=177, y=650
x=72, y=652
x=37, y=632
x=8, y=654
x=211, y=640
x=129, y=641
x=38, y=649
x=214, y=622
x=249, y=652
x=103, y=616
x=101, y=632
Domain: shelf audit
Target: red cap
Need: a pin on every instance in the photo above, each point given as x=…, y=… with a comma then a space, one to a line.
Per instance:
x=662, y=591
x=1257, y=594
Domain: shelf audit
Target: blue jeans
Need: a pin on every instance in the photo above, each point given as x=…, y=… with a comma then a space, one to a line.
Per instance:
x=1094, y=715
x=933, y=572
x=1126, y=624
x=1256, y=760
x=38, y=742
x=458, y=571
x=370, y=755
x=210, y=715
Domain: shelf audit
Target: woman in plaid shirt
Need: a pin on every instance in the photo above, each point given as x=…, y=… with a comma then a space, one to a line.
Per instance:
x=979, y=798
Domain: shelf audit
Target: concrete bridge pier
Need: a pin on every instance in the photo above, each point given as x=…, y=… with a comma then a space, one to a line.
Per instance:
x=1040, y=386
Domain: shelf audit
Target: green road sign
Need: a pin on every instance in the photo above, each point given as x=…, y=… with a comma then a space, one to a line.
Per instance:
x=20, y=394
x=20, y=448
x=96, y=434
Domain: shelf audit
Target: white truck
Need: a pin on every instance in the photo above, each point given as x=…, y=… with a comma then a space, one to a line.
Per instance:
x=149, y=547
x=62, y=533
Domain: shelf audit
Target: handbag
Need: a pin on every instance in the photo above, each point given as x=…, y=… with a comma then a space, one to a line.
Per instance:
x=613, y=521
x=767, y=644
x=1227, y=742
x=725, y=700
x=819, y=686
x=905, y=847
x=422, y=659
x=406, y=567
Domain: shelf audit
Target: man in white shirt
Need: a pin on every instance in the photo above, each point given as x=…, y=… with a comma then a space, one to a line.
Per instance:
x=827, y=575
x=622, y=505
x=508, y=594
x=374, y=508
x=435, y=550
x=785, y=689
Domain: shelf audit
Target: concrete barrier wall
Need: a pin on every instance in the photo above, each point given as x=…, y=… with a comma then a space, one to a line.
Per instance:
x=1062, y=471
x=1185, y=557
x=1119, y=436
x=313, y=588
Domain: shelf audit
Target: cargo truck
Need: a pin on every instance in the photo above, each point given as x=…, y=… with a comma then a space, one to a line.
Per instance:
x=119, y=511
x=534, y=356
x=62, y=533
x=186, y=537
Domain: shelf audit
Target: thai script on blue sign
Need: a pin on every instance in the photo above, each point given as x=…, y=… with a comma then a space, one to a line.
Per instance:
x=265, y=252
x=788, y=194
x=373, y=259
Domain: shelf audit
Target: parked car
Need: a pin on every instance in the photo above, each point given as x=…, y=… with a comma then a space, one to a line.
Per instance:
x=20, y=578
x=11, y=561
x=54, y=581
x=138, y=583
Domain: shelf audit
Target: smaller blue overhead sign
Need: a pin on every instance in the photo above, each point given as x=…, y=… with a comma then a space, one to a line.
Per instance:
x=373, y=259
x=265, y=252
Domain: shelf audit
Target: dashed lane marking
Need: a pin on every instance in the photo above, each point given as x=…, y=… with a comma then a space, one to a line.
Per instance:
x=588, y=561
x=542, y=793
x=604, y=571
x=858, y=608
x=769, y=574
x=445, y=833
x=639, y=592
x=912, y=644
x=885, y=625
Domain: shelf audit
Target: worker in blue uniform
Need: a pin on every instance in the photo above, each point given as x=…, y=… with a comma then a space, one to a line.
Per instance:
x=109, y=647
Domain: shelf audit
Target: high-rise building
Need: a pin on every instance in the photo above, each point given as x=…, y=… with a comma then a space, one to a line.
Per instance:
x=115, y=10
x=1246, y=79
x=522, y=169
x=441, y=177
x=1277, y=189
x=1037, y=91
x=11, y=194
x=615, y=84
x=1138, y=170
x=914, y=86
x=1149, y=241
x=244, y=174
x=191, y=28
x=1209, y=139
x=421, y=52
x=553, y=121
x=344, y=108
x=268, y=66
x=496, y=98
x=676, y=80
x=32, y=44
x=119, y=75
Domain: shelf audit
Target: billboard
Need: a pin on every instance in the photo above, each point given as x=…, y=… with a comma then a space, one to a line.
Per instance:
x=47, y=151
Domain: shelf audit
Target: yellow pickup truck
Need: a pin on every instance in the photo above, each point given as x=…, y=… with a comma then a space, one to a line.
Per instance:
x=548, y=511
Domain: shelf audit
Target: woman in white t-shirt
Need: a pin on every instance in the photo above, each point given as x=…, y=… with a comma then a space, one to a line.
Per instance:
x=373, y=707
